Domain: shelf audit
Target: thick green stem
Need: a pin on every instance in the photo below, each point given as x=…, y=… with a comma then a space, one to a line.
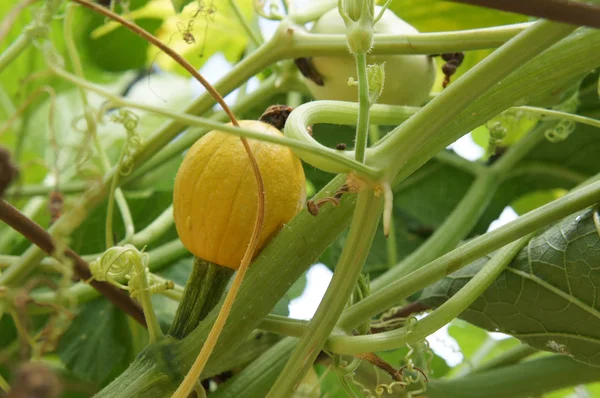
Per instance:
x=277, y=266
x=364, y=103
x=256, y=379
x=283, y=325
x=305, y=44
x=524, y=380
x=362, y=230
x=203, y=291
x=398, y=290
x=155, y=229
x=338, y=112
x=425, y=125
x=414, y=332
x=468, y=211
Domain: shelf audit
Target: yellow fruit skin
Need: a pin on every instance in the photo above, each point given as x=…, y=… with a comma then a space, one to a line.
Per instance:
x=408, y=78
x=215, y=194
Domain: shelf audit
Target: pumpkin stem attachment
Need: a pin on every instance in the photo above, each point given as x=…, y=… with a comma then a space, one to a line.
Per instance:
x=202, y=293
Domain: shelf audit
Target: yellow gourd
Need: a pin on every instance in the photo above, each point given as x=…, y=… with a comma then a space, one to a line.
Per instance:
x=215, y=194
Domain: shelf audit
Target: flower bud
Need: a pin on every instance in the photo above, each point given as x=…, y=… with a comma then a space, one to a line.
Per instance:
x=359, y=18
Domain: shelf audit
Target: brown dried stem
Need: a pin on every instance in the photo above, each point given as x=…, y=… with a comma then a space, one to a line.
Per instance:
x=41, y=238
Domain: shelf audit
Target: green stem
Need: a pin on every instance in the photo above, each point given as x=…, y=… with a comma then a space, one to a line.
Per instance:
x=374, y=134
x=398, y=290
x=242, y=20
x=455, y=228
x=38, y=28
x=575, y=55
x=468, y=212
x=159, y=226
x=558, y=172
x=16, y=48
x=407, y=139
x=25, y=191
x=108, y=230
x=414, y=332
x=302, y=15
x=203, y=291
x=92, y=128
x=362, y=229
x=391, y=246
x=283, y=325
x=294, y=99
x=338, y=112
x=511, y=158
x=561, y=115
x=305, y=44
x=141, y=280
x=508, y=357
x=277, y=266
x=265, y=91
x=326, y=155
x=256, y=379
x=4, y=386
x=362, y=127
x=523, y=380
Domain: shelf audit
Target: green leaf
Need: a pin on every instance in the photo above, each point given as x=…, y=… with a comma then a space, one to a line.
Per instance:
x=179, y=4
x=200, y=31
x=118, y=50
x=96, y=343
x=547, y=297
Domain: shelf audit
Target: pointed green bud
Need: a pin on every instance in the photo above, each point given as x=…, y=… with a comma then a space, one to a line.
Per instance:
x=359, y=18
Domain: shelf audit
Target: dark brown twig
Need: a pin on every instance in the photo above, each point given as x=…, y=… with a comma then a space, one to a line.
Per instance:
x=8, y=171
x=41, y=238
x=376, y=361
x=571, y=12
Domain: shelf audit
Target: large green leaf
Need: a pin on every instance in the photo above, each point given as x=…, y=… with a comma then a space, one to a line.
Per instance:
x=97, y=342
x=547, y=297
x=118, y=50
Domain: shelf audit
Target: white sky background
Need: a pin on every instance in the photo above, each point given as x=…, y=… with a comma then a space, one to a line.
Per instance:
x=319, y=276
